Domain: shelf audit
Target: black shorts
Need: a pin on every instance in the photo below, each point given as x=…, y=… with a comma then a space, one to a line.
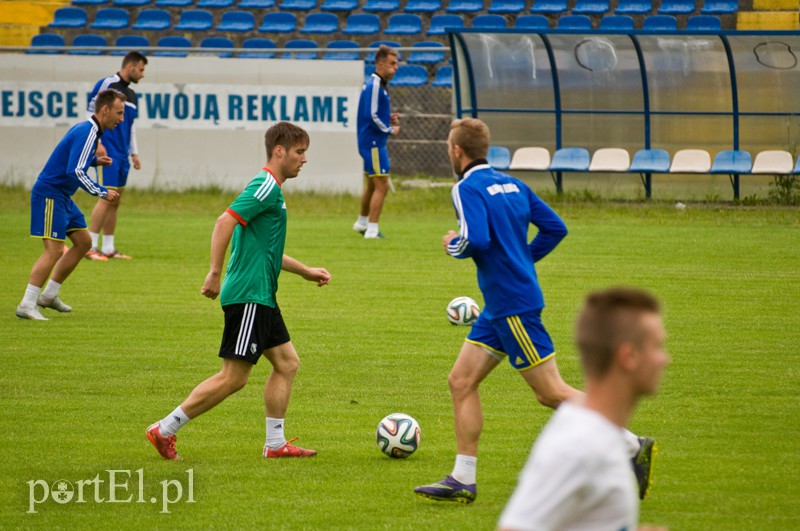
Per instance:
x=250, y=329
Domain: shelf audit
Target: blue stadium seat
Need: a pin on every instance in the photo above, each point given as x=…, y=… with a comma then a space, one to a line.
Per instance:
x=719, y=7
x=172, y=42
x=381, y=6
x=69, y=17
x=173, y=3
x=88, y=40
x=506, y=7
x=549, y=6
x=570, y=159
x=616, y=22
x=704, y=23
x=532, y=22
x=362, y=24
x=489, y=22
x=130, y=43
x=321, y=24
x=590, y=7
x=153, y=19
x=339, y=51
x=423, y=6
x=732, y=162
x=634, y=7
x=676, y=7
x=131, y=3
x=797, y=166
x=444, y=77
x=46, y=39
x=370, y=58
x=339, y=6
x=218, y=42
x=300, y=44
x=650, y=161
x=298, y=5
x=255, y=4
x=111, y=18
x=237, y=21
x=279, y=23
x=410, y=76
x=499, y=157
x=89, y=2
x=195, y=20
x=440, y=22
x=368, y=70
x=427, y=58
x=404, y=24
x=258, y=43
x=465, y=6
x=660, y=23
x=574, y=22
x=214, y=4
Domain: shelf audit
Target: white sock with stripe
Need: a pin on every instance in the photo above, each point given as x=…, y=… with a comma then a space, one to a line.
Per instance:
x=632, y=441
x=275, y=436
x=31, y=294
x=108, y=243
x=51, y=290
x=465, y=470
x=95, y=238
x=170, y=424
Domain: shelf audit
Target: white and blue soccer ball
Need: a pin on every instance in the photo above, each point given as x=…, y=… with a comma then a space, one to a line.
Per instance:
x=463, y=311
x=398, y=435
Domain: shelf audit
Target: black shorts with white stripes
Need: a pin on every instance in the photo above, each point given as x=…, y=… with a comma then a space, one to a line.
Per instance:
x=250, y=329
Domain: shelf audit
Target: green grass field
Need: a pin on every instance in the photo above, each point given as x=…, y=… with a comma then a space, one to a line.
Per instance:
x=77, y=392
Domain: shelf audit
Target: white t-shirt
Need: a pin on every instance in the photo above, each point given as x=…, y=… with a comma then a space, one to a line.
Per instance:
x=578, y=477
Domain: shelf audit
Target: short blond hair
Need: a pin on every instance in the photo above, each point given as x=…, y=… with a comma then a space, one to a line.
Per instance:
x=385, y=51
x=472, y=136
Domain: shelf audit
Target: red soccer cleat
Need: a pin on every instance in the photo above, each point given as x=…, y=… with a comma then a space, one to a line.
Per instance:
x=288, y=450
x=164, y=445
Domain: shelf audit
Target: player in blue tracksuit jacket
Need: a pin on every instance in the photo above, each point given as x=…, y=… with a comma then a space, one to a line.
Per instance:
x=494, y=212
x=55, y=216
x=375, y=123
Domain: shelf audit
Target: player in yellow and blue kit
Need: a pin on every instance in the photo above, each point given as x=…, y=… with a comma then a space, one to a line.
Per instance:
x=494, y=212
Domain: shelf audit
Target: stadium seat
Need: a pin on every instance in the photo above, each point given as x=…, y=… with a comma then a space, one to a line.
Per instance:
x=531, y=159
x=650, y=161
x=46, y=39
x=732, y=162
x=616, y=22
x=440, y=22
x=691, y=161
x=465, y=6
x=489, y=22
x=444, y=78
x=172, y=42
x=381, y=6
x=89, y=2
x=173, y=3
x=237, y=21
x=218, y=42
x=279, y=23
x=404, y=24
x=256, y=4
x=797, y=166
x=499, y=157
x=298, y=5
x=321, y=24
x=339, y=6
x=719, y=7
x=69, y=17
x=195, y=20
x=214, y=4
x=368, y=70
x=257, y=43
x=660, y=23
x=410, y=76
x=370, y=58
x=574, y=22
x=130, y=42
x=300, y=44
x=111, y=18
x=426, y=58
x=130, y=3
x=590, y=7
x=345, y=54
x=549, y=6
x=570, y=159
x=362, y=24
x=153, y=20
x=773, y=161
x=532, y=22
x=676, y=7
x=88, y=40
x=423, y=6
x=610, y=159
x=704, y=23
x=634, y=7
x=506, y=7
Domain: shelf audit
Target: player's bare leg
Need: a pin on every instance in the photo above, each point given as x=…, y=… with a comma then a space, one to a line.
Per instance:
x=380, y=186
x=232, y=377
x=361, y=223
x=547, y=384
x=81, y=242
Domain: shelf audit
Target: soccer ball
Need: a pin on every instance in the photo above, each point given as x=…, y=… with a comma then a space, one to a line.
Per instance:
x=462, y=311
x=398, y=435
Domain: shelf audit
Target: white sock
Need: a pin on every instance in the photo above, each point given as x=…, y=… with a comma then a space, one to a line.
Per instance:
x=95, y=238
x=170, y=424
x=632, y=441
x=108, y=243
x=362, y=220
x=31, y=294
x=51, y=290
x=465, y=469
x=372, y=228
x=275, y=436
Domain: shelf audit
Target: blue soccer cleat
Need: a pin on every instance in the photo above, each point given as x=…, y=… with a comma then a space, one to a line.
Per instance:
x=643, y=464
x=448, y=490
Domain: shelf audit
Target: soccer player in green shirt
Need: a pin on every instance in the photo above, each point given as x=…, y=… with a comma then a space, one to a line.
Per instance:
x=255, y=227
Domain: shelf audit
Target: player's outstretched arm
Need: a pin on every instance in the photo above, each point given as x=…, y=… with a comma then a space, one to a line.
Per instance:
x=319, y=275
x=220, y=239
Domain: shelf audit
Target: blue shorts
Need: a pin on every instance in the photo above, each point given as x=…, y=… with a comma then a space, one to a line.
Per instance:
x=376, y=161
x=522, y=338
x=54, y=218
x=116, y=175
